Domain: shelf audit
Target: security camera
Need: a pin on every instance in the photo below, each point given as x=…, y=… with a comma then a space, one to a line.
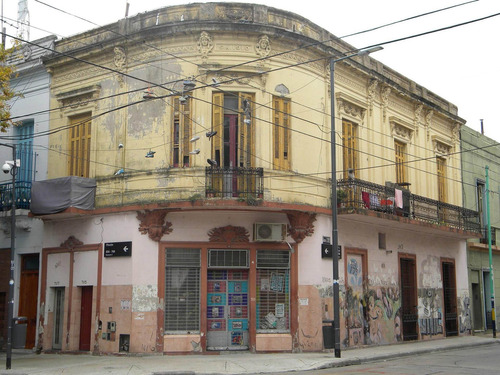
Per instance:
x=6, y=168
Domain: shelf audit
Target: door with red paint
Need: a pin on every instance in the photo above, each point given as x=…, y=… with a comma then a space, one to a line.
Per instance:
x=85, y=318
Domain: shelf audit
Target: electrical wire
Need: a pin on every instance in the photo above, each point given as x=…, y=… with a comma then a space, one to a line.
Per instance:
x=400, y=39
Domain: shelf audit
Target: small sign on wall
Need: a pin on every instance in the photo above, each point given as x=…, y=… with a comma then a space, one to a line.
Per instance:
x=118, y=249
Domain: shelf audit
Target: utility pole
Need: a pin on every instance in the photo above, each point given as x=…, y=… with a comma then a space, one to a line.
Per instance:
x=492, y=279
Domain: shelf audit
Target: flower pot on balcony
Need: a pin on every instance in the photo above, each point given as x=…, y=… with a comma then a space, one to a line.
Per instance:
x=341, y=198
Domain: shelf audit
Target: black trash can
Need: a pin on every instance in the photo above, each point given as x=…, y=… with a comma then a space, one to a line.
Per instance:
x=19, y=332
x=328, y=334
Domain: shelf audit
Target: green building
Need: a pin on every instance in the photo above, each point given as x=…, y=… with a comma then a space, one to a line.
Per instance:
x=479, y=151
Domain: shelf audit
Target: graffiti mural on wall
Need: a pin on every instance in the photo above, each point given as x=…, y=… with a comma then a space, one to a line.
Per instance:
x=372, y=317
x=429, y=312
x=464, y=319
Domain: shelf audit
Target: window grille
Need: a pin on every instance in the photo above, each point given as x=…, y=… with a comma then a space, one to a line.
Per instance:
x=223, y=258
x=182, y=290
x=273, y=259
x=273, y=291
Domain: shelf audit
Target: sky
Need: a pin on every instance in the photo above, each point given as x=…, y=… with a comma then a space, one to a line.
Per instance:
x=461, y=64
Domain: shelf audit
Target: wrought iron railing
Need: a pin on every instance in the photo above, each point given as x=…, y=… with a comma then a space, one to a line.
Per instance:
x=355, y=193
x=234, y=182
x=23, y=195
x=484, y=236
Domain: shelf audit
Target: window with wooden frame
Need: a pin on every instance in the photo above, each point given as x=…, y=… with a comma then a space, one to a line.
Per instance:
x=181, y=131
x=79, y=145
x=233, y=146
x=400, y=154
x=24, y=149
x=233, y=120
x=281, y=133
x=350, y=147
x=441, y=179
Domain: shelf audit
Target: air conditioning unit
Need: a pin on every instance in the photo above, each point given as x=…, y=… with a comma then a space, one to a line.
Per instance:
x=270, y=232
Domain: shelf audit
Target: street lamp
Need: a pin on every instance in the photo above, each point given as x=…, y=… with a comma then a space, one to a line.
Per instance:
x=335, y=253
x=11, y=166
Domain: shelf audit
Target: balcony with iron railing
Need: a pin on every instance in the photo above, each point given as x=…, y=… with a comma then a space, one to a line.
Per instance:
x=484, y=236
x=358, y=194
x=23, y=195
x=234, y=182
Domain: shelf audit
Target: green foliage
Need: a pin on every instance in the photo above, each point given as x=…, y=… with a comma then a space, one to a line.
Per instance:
x=6, y=92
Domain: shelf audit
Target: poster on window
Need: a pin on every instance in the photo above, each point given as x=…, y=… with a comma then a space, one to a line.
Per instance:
x=264, y=285
x=277, y=282
x=279, y=310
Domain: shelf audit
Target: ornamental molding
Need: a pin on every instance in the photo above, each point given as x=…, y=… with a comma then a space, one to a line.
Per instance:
x=205, y=45
x=84, y=97
x=234, y=13
x=71, y=243
x=263, y=47
x=229, y=234
x=120, y=58
x=372, y=92
x=301, y=224
x=153, y=224
x=350, y=106
x=385, y=92
x=441, y=146
x=401, y=130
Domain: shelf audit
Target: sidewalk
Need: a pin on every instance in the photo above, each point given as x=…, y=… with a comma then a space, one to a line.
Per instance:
x=27, y=363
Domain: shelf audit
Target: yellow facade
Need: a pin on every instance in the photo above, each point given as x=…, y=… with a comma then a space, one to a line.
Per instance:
x=383, y=106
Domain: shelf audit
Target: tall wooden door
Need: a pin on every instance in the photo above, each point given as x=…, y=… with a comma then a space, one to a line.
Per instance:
x=28, y=295
x=409, y=312
x=85, y=318
x=57, y=336
x=449, y=298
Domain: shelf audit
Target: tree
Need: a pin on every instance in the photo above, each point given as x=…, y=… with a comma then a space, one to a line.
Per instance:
x=6, y=92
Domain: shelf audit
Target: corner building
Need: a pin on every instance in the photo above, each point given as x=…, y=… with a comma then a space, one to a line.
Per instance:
x=197, y=138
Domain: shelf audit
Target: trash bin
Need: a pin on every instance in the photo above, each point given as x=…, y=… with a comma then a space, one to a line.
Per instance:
x=19, y=332
x=328, y=334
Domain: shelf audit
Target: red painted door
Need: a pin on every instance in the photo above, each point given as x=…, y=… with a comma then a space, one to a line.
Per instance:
x=85, y=318
x=28, y=295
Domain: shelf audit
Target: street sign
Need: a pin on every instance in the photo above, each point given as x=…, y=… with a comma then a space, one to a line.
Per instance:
x=118, y=249
x=326, y=251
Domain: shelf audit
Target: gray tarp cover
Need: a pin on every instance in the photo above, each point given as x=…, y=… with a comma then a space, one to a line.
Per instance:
x=58, y=194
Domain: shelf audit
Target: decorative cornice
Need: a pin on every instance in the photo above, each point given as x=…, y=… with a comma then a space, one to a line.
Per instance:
x=401, y=130
x=229, y=235
x=441, y=146
x=153, y=223
x=350, y=106
x=301, y=224
x=71, y=243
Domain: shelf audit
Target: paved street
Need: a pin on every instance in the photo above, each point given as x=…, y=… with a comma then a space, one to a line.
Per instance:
x=475, y=355
x=483, y=360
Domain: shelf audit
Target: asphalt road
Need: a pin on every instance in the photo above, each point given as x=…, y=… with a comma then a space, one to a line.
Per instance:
x=481, y=360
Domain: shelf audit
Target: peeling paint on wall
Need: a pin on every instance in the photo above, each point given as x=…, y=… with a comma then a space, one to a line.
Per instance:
x=430, y=275
x=144, y=298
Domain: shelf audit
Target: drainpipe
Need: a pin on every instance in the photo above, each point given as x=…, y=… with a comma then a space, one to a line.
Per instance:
x=492, y=282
